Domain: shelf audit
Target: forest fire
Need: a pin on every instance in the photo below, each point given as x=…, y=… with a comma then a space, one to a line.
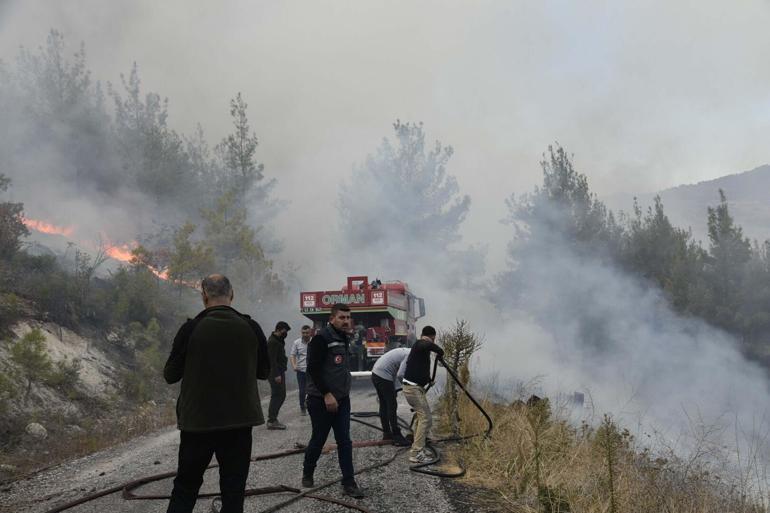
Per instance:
x=120, y=252
x=48, y=228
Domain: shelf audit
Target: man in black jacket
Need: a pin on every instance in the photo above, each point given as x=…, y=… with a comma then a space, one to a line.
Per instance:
x=328, y=397
x=276, y=350
x=219, y=356
x=416, y=378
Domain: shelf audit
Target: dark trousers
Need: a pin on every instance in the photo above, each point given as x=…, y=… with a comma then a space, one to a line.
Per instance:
x=277, y=397
x=301, y=382
x=386, y=393
x=323, y=422
x=232, y=448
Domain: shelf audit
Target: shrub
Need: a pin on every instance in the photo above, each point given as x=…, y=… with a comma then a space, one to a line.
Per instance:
x=30, y=354
x=64, y=376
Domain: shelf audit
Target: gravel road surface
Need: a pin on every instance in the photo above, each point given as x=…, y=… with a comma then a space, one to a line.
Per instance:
x=392, y=488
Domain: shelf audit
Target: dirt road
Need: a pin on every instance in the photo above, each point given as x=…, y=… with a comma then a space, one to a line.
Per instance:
x=389, y=489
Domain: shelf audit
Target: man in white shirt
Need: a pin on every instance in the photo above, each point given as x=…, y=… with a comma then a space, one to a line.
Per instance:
x=387, y=373
x=298, y=358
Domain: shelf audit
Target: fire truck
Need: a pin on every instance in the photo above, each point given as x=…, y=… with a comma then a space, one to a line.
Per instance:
x=384, y=315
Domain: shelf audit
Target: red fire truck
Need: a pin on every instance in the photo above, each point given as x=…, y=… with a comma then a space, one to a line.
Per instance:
x=384, y=314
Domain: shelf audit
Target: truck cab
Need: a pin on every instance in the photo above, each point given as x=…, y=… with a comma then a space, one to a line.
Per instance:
x=384, y=315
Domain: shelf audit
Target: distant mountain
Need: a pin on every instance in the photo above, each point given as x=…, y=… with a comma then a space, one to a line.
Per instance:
x=748, y=196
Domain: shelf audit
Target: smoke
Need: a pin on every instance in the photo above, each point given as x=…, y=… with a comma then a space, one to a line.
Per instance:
x=496, y=80
x=653, y=95
x=589, y=327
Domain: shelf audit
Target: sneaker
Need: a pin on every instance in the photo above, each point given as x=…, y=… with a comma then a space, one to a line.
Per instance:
x=400, y=441
x=352, y=490
x=307, y=482
x=421, y=457
x=274, y=424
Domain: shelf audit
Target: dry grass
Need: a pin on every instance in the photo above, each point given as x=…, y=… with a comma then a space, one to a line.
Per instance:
x=535, y=462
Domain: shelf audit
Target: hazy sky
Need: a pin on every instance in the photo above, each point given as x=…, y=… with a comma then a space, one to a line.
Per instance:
x=645, y=94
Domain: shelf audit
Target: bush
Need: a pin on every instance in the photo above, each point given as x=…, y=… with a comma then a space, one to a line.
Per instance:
x=10, y=309
x=30, y=354
x=64, y=376
x=7, y=391
x=460, y=344
x=145, y=382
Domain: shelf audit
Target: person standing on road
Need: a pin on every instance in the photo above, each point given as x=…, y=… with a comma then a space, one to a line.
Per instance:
x=387, y=373
x=416, y=378
x=298, y=358
x=276, y=350
x=328, y=397
x=218, y=356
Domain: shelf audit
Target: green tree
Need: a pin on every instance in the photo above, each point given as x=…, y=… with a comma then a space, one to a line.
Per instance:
x=564, y=209
x=152, y=154
x=12, y=228
x=402, y=208
x=755, y=304
x=144, y=382
x=136, y=295
x=241, y=178
x=560, y=218
x=238, y=253
x=189, y=260
x=729, y=252
x=64, y=114
x=239, y=151
x=31, y=355
x=660, y=252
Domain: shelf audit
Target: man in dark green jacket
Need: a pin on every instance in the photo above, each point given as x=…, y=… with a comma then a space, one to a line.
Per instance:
x=276, y=350
x=218, y=356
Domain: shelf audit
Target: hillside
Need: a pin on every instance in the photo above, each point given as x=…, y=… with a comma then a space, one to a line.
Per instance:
x=65, y=393
x=748, y=194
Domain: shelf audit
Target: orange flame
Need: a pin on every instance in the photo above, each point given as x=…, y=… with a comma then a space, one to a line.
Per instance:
x=44, y=227
x=120, y=252
x=124, y=253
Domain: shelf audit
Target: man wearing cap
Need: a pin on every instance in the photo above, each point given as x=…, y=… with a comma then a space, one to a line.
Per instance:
x=276, y=351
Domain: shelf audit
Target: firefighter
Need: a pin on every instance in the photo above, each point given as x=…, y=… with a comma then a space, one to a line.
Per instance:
x=328, y=397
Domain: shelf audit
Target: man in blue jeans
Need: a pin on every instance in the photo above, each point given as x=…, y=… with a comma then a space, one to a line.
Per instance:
x=328, y=397
x=298, y=359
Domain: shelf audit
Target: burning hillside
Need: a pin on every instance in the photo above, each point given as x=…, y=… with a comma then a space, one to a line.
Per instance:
x=123, y=253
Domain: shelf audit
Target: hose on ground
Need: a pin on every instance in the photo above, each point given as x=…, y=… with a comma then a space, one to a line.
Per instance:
x=127, y=489
x=421, y=468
